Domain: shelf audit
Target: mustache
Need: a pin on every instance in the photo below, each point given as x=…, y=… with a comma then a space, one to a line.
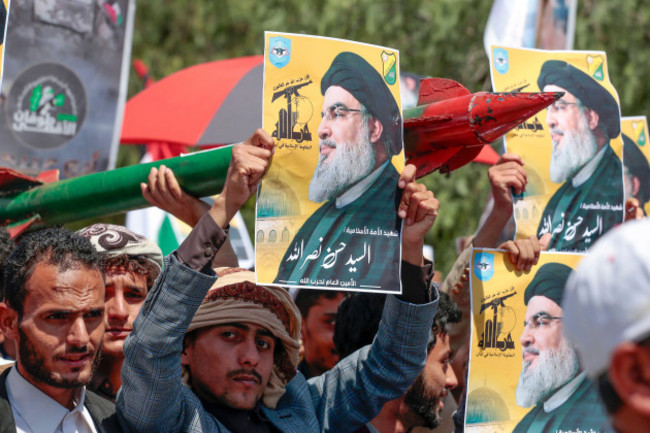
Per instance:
x=328, y=143
x=76, y=350
x=530, y=349
x=557, y=131
x=246, y=371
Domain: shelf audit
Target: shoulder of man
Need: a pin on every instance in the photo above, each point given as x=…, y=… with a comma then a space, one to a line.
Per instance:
x=102, y=412
x=6, y=416
x=295, y=410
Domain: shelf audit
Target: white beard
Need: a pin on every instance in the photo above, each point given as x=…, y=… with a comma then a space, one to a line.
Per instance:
x=578, y=148
x=554, y=368
x=351, y=162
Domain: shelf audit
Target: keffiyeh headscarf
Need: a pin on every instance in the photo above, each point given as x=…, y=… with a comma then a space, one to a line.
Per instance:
x=236, y=298
x=112, y=240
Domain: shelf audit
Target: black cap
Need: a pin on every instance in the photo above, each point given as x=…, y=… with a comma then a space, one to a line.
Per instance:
x=637, y=164
x=549, y=282
x=353, y=73
x=586, y=89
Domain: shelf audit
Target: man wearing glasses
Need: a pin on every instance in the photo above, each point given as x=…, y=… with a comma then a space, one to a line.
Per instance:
x=551, y=378
x=360, y=130
x=581, y=124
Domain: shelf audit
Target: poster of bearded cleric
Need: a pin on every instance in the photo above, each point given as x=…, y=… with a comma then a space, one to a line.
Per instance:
x=327, y=208
x=3, y=21
x=524, y=375
x=572, y=151
x=64, y=86
x=636, y=154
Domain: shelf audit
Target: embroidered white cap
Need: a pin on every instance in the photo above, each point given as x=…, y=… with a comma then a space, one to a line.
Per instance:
x=607, y=297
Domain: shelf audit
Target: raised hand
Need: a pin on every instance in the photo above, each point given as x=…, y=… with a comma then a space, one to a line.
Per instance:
x=419, y=209
x=248, y=165
x=506, y=175
x=163, y=191
x=524, y=253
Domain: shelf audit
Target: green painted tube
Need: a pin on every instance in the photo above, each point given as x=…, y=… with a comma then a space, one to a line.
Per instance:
x=110, y=192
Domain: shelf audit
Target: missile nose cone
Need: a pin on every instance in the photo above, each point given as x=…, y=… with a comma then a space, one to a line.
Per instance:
x=494, y=114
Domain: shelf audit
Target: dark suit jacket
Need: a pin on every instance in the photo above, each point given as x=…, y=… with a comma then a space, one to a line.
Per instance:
x=101, y=411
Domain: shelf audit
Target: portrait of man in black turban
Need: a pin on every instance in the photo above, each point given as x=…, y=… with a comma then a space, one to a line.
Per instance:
x=582, y=123
x=360, y=131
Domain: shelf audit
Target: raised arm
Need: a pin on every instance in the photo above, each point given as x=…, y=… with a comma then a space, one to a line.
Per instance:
x=152, y=397
x=358, y=386
x=508, y=175
x=163, y=191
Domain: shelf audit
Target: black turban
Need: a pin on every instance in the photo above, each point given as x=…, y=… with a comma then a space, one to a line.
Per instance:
x=586, y=89
x=637, y=164
x=549, y=282
x=353, y=73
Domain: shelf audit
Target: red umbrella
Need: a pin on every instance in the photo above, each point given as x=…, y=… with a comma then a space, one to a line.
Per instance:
x=211, y=103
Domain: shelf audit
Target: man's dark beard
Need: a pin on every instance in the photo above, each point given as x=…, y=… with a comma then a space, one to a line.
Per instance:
x=423, y=403
x=35, y=365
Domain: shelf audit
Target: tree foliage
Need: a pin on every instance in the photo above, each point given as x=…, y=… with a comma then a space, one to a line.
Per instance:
x=437, y=38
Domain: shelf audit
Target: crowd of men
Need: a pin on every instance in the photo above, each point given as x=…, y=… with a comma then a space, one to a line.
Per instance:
x=105, y=335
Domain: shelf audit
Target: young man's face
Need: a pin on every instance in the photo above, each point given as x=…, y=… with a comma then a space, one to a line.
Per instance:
x=230, y=364
x=125, y=294
x=60, y=334
x=317, y=330
x=425, y=397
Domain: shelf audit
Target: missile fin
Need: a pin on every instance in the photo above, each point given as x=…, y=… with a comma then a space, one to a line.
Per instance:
x=19, y=227
x=13, y=182
x=438, y=89
x=49, y=176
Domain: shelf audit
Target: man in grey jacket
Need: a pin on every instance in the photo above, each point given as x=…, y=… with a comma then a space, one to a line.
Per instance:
x=240, y=355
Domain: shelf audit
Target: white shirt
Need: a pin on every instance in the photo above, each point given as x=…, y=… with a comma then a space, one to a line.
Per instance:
x=36, y=412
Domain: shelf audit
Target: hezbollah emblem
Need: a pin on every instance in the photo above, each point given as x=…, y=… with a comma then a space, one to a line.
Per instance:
x=390, y=67
x=639, y=130
x=595, y=67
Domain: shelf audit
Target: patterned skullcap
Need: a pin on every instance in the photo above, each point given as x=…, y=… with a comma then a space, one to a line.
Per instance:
x=112, y=240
